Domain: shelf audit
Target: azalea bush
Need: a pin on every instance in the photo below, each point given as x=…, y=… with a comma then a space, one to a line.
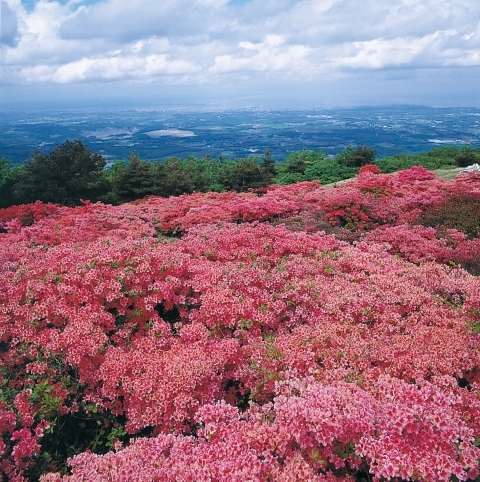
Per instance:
x=372, y=168
x=459, y=211
x=209, y=337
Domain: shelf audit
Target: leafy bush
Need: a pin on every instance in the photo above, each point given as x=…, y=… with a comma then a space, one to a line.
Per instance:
x=441, y=157
x=467, y=157
x=245, y=174
x=358, y=157
x=300, y=166
x=371, y=168
x=329, y=171
x=459, y=210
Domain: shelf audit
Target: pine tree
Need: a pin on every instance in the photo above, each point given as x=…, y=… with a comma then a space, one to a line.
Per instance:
x=69, y=173
x=134, y=181
x=360, y=156
x=268, y=163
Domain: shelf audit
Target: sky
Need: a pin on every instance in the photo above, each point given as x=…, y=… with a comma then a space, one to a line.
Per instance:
x=240, y=53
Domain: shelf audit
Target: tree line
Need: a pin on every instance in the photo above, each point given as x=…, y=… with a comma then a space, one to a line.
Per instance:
x=72, y=172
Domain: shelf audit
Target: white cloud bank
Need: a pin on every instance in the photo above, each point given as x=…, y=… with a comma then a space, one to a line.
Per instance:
x=199, y=42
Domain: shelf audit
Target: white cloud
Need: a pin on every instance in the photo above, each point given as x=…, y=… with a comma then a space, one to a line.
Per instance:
x=213, y=41
x=395, y=52
x=269, y=55
x=111, y=68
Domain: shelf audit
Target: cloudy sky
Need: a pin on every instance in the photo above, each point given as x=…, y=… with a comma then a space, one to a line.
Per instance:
x=284, y=53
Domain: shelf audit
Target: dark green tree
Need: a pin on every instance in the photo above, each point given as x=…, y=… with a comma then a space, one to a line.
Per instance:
x=134, y=181
x=244, y=174
x=292, y=169
x=268, y=163
x=296, y=163
x=466, y=157
x=202, y=173
x=173, y=178
x=7, y=183
x=110, y=174
x=210, y=170
x=358, y=157
x=69, y=173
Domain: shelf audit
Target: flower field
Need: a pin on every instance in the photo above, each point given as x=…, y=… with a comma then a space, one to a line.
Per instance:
x=293, y=334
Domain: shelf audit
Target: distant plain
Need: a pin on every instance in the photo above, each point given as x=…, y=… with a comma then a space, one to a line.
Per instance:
x=158, y=133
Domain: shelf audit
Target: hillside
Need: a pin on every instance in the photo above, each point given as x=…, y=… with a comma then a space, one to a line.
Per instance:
x=292, y=334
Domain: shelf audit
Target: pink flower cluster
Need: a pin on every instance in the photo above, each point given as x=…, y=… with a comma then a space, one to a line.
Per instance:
x=243, y=350
x=311, y=431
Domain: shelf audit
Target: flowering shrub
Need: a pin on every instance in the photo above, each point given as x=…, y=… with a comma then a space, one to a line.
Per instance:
x=29, y=213
x=459, y=211
x=239, y=348
x=371, y=168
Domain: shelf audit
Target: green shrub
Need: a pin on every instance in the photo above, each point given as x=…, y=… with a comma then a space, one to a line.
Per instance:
x=441, y=157
x=467, y=157
x=328, y=171
x=245, y=174
x=358, y=157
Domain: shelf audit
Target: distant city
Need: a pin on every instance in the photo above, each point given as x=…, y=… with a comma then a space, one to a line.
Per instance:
x=157, y=133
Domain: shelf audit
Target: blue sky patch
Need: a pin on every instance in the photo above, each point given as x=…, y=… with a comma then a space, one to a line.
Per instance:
x=30, y=4
x=238, y=2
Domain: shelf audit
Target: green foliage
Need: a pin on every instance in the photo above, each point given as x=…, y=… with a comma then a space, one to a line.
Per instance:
x=72, y=430
x=474, y=325
x=244, y=174
x=268, y=164
x=441, y=157
x=315, y=165
x=329, y=171
x=47, y=404
x=299, y=166
x=296, y=163
x=7, y=182
x=467, y=157
x=70, y=172
x=174, y=177
x=209, y=170
x=110, y=174
x=291, y=170
x=134, y=181
x=283, y=178
x=87, y=429
x=357, y=157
